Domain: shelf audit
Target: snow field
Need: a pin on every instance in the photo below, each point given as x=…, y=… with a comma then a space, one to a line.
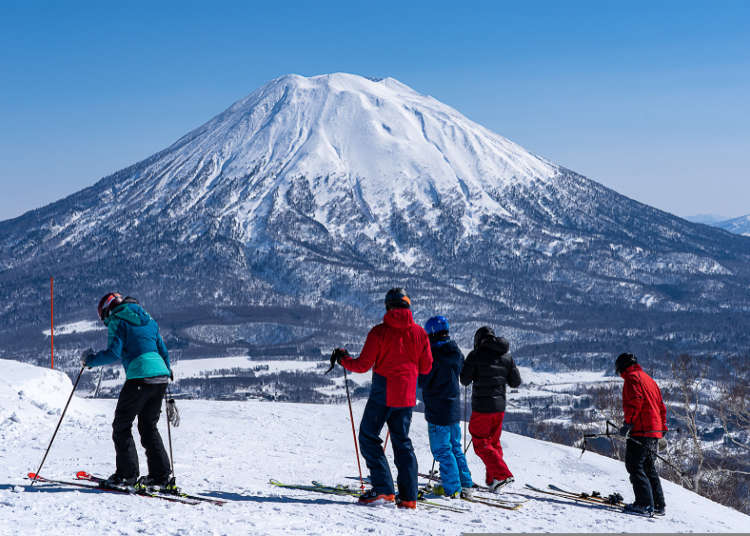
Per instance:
x=231, y=449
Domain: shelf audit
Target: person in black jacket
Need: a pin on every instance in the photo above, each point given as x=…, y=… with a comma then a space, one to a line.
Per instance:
x=442, y=401
x=489, y=367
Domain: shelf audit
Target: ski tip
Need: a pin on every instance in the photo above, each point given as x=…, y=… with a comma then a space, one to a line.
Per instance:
x=83, y=475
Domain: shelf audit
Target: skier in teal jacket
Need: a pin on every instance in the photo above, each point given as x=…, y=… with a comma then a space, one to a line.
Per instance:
x=134, y=339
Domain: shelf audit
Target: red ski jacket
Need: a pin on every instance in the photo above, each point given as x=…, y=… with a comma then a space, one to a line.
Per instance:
x=400, y=351
x=642, y=403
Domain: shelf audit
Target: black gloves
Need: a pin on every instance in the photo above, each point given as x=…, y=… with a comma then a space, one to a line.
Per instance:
x=336, y=356
x=85, y=355
x=625, y=429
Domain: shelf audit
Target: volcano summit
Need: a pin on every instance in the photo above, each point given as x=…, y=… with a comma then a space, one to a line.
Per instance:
x=298, y=206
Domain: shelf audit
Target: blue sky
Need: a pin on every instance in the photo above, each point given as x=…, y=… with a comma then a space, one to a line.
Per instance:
x=649, y=98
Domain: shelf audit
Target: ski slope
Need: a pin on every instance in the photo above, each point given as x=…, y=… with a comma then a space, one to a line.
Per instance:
x=231, y=449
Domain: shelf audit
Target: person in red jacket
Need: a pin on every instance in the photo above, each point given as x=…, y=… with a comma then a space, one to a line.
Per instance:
x=398, y=351
x=644, y=423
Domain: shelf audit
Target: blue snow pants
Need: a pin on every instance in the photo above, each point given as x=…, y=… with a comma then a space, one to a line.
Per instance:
x=445, y=444
x=376, y=415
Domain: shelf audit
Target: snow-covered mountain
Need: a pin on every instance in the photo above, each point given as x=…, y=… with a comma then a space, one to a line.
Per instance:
x=230, y=450
x=301, y=204
x=739, y=225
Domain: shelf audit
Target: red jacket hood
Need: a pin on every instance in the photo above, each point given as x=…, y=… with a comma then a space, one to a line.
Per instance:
x=398, y=318
x=632, y=370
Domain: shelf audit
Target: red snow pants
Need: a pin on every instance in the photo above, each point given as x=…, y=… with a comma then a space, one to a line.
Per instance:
x=485, y=430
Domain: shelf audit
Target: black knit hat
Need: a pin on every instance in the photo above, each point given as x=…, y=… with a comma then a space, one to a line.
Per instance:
x=623, y=361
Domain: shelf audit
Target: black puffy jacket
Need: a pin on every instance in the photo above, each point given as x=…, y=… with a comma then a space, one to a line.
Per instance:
x=490, y=367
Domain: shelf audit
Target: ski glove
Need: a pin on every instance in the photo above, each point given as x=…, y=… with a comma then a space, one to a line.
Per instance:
x=173, y=415
x=336, y=357
x=85, y=355
x=662, y=445
x=339, y=353
x=625, y=429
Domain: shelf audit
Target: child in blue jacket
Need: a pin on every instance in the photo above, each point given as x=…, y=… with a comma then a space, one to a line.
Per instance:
x=442, y=399
x=134, y=340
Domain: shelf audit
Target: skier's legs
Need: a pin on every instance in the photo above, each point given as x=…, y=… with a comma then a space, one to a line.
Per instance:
x=497, y=429
x=649, y=467
x=129, y=405
x=440, y=445
x=373, y=420
x=481, y=434
x=458, y=453
x=156, y=455
x=399, y=422
x=635, y=457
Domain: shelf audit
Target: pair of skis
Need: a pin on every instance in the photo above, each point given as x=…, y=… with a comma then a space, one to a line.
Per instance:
x=343, y=490
x=483, y=495
x=88, y=481
x=612, y=502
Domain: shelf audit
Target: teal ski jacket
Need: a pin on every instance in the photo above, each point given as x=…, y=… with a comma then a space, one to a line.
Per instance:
x=133, y=339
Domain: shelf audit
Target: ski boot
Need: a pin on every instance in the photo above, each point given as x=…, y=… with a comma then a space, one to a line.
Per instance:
x=440, y=490
x=409, y=505
x=373, y=498
x=498, y=485
x=639, y=509
x=161, y=484
x=468, y=492
x=116, y=481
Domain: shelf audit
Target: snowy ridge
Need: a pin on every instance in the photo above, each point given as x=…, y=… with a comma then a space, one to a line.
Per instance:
x=739, y=225
x=231, y=449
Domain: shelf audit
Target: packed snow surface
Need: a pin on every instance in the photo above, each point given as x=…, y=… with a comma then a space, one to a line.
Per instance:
x=231, y=449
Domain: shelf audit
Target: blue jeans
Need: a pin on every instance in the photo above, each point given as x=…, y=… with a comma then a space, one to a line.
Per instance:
x=376, y=415
x=445, y=444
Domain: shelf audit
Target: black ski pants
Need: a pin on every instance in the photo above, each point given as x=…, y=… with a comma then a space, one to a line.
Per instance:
x=640, y=458
x=142, y=400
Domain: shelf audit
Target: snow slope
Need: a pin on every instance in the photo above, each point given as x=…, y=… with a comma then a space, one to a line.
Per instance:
x=231, y=449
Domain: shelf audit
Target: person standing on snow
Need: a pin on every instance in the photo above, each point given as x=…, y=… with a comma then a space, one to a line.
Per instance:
x=397, y=350
x=441, y=393
x=134, y=340
x=644, y=424
x=490, y=368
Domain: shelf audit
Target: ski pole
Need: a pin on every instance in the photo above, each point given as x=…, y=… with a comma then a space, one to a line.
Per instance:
x=169, y=429
x=467, y=446
x=387, y=435
x=36, y=475
x=466, y=396
x=354, y=434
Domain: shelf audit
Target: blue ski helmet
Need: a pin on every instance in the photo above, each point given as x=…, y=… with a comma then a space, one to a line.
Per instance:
x=436, y=324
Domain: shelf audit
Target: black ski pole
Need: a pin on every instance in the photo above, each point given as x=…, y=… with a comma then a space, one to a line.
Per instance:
x=354, y=433
x=167, y=401
x=36, y=475
x=466, y=396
